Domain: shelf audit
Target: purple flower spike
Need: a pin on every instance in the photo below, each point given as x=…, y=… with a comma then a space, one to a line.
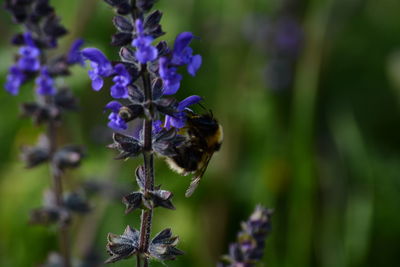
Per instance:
x=249, y=246
x=74, y=55
x=116, y=122
x=122, y=80
x=183, y=54
x=15, y=78
x=145, y=52
x=179, y=118
x=29, y=55
x=101, y=67
x=44, y=83
x=171, y=79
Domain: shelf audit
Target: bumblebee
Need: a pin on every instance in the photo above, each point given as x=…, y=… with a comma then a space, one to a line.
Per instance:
x=203, y=137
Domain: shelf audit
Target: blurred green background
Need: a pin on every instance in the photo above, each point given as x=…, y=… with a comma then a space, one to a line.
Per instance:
x=311, y=120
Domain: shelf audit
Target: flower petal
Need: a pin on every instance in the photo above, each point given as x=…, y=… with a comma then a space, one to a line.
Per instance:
x=74, y=55
x=172, y=86
x=15, y=78
x=157, y=126
x=29, y=40
x=194, y=65
x=139, y=27
x=119, y=91
x=191, y=100
x=114, y=106
x=182, y=41
x=178, y=122
x=121, y=70
x=97, y=83
x=95, y=55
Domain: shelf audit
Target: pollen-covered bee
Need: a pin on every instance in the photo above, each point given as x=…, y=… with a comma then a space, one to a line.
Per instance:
x=203, y=136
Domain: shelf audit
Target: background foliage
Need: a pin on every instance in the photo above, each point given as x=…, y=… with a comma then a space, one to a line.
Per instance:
x=324, y=152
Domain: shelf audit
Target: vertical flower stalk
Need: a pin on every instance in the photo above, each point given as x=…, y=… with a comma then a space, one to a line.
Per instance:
x=145, y=79
x=250, y=244
x=42, y=31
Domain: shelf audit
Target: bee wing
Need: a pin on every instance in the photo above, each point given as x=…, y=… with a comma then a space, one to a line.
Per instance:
x=197, y=177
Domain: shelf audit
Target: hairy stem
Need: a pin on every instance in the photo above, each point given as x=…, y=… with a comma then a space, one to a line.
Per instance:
x=55, y=173
x=146, y=218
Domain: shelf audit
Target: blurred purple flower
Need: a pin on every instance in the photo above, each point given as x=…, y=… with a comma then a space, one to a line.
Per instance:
x=144, y=50
x=171, y=79
x=101, y=67
x=183, y=54
x=250, y=244
x=289, y=36
x=122, y=80
x=15, y=78
x=29, y=60
x=74, y=55
x=179, y=118
x=116, y=122
x=44, y=83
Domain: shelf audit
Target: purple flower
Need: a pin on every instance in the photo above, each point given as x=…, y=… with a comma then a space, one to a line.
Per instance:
x=44, y=83
x=122, y=80
x=15, y=78
x=171, y=79
x=157, y=126
x=101, y=67
x=179, y=118
x=183, y=54
x=116, y=122
x=74, y=55
x=250, y=244
x=29, y=55
x=289, y=36
x=144, y=50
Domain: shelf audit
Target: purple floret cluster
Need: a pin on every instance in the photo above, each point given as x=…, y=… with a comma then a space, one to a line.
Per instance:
x=43, y=30
x=138, y=55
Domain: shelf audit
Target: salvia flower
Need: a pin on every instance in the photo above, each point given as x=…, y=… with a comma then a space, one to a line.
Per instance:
x=248, y=249
x=183, y=54
x=145, y=52
x=171, y=78
x=15, y=79
x=116, y=122
x=29, y=55
x=74, y=55
x=101, y=66
x=45, y=83
x=157, y=127
x=179, y=118
x=121, y=80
